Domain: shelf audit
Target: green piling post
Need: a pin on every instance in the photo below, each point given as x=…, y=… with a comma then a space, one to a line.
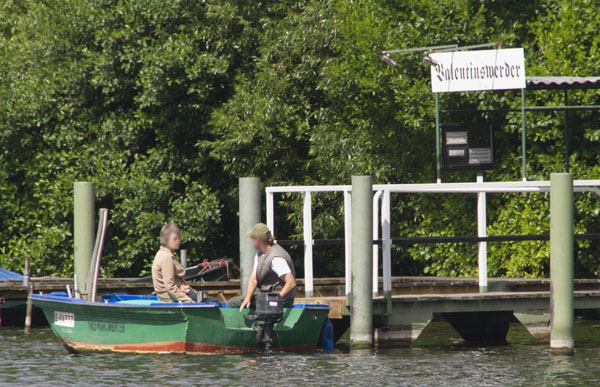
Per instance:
x=84, y=196
x=361, y=320
x=249, y=210
x=561, y=262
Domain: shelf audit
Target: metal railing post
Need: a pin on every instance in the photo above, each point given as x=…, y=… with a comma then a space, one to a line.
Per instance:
x=270, y=212
x=567, y=137
x=308, y=244
x=386, y=247
x=386, y=244
x=482, y=232
x=438, y=153
x=348, y=242
x=376, y=198
x=523, y=138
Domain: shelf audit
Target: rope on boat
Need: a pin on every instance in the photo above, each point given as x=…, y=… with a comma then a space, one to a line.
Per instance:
x=207, y=265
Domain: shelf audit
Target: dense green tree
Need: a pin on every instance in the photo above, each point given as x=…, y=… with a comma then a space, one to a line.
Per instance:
x=119, y=93
x=163, y=105
x=370, y=118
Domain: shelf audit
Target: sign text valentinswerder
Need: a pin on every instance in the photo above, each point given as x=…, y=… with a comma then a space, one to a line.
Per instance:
x=478, y=70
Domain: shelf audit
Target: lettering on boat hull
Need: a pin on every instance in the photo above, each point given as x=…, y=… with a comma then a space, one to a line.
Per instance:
x=64, y=319
x=107, y=326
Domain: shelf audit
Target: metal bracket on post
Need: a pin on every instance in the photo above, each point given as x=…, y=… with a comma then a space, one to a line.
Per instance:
x=308, y=245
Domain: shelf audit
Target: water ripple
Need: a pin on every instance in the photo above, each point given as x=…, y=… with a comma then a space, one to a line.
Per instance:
x=38, y=359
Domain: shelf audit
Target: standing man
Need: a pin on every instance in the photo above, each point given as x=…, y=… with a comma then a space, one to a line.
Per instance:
x=273, y=270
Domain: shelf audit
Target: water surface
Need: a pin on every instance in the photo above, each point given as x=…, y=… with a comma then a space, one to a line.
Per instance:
x=39, y=359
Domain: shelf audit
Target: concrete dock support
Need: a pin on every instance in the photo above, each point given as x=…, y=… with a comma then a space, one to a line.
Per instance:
x=361, y=320
x=83, y=231
x=561, y=262
x=249, y=209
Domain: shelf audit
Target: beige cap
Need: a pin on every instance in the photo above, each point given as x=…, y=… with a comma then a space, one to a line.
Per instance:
x=259, y=230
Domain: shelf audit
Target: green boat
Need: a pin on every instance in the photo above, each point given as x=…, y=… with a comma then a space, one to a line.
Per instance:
x=141, y=324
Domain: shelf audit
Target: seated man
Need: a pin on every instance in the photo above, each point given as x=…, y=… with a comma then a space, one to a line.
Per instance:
x=273, y=270
x=167, y=273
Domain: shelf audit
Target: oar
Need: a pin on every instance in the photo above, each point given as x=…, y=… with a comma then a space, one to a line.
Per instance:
x=103, y=213
x=99, y=254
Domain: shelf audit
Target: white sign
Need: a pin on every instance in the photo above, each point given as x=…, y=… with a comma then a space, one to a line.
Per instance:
x=478, y=70
x=480, y=156
x=64, y=319
x=457, y=138
x=456, y=152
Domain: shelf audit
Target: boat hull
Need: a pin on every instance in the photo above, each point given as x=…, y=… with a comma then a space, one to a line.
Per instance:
x=173, y=328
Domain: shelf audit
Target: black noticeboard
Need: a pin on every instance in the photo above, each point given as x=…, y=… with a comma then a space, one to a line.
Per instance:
x=466, y=146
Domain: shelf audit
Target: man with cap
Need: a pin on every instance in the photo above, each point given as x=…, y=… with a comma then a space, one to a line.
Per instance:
x=273, y=270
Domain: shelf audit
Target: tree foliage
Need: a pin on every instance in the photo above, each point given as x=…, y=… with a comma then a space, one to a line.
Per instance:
x=164, y=104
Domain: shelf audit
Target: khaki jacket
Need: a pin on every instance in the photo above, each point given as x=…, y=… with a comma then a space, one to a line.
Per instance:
x=167, y=276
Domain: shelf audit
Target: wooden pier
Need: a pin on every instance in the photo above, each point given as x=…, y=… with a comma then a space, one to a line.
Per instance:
x=482, y=318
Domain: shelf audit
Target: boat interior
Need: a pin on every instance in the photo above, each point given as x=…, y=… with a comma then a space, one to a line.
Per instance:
x=148, y=300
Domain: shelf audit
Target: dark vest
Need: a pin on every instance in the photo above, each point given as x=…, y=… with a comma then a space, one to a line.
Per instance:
x=267, y=279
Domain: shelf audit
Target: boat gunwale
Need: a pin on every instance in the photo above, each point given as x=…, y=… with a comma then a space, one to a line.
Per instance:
x=158, y=304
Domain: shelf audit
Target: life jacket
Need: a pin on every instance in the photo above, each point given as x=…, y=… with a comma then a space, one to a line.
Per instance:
x=267, y=280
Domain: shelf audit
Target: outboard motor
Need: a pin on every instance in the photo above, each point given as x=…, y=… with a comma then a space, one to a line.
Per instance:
x=269, y=311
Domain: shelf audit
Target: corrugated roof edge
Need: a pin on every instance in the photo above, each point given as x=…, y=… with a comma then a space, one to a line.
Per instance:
x=558, y=82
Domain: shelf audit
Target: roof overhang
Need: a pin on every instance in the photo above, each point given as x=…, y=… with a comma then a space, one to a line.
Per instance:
x=562, y=83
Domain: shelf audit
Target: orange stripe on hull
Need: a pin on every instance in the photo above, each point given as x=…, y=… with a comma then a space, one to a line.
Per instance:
x=172, y=347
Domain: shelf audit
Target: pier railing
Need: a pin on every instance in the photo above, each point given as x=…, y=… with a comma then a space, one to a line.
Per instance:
x=382, y=215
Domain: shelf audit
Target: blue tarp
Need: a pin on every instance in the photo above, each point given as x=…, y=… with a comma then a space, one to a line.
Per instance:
x=9, y=275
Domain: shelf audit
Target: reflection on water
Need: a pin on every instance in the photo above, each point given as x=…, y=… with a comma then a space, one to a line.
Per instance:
x=39, y=359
